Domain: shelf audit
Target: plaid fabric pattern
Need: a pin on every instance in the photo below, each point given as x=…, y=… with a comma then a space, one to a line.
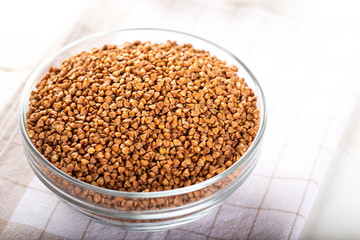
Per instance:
x=311, y=85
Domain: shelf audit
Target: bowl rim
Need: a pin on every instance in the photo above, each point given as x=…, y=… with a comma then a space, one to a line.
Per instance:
x=116, y=193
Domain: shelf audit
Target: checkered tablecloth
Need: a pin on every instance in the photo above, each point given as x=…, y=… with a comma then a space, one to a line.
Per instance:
x=310, y=75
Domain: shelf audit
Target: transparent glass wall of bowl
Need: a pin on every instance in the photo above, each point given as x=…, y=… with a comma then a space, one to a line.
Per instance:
x=152, y=210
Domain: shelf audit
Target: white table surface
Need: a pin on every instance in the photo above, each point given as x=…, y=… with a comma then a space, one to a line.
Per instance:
x=25, y=38
x=336, y=211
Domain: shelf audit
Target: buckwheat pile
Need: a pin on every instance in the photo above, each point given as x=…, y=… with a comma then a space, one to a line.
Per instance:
x=142, y=116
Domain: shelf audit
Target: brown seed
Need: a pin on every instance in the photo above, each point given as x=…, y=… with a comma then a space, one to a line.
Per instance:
x=91, y=150
x=83, y=111
x=153, y=77
x=162, y=150
x=200, y=163
x=59, y=128
x=121, y=170
x=112, y=114
x=115, y=147
x=97, y=198
x=128, y=142
x=99, y=147
x=100, y=181
x=42, y=135
x=186, y=173
x=125, y=150
x=177, y=142
x=31, y=133
x=144, y=163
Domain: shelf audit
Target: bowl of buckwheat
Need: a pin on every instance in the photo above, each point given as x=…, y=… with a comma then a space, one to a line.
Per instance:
x=143, y=129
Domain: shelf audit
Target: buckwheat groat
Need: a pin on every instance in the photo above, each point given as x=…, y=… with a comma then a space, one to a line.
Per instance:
x=143, y=116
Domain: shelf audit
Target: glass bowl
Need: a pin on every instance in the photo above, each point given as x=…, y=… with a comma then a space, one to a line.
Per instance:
x=142, y=211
